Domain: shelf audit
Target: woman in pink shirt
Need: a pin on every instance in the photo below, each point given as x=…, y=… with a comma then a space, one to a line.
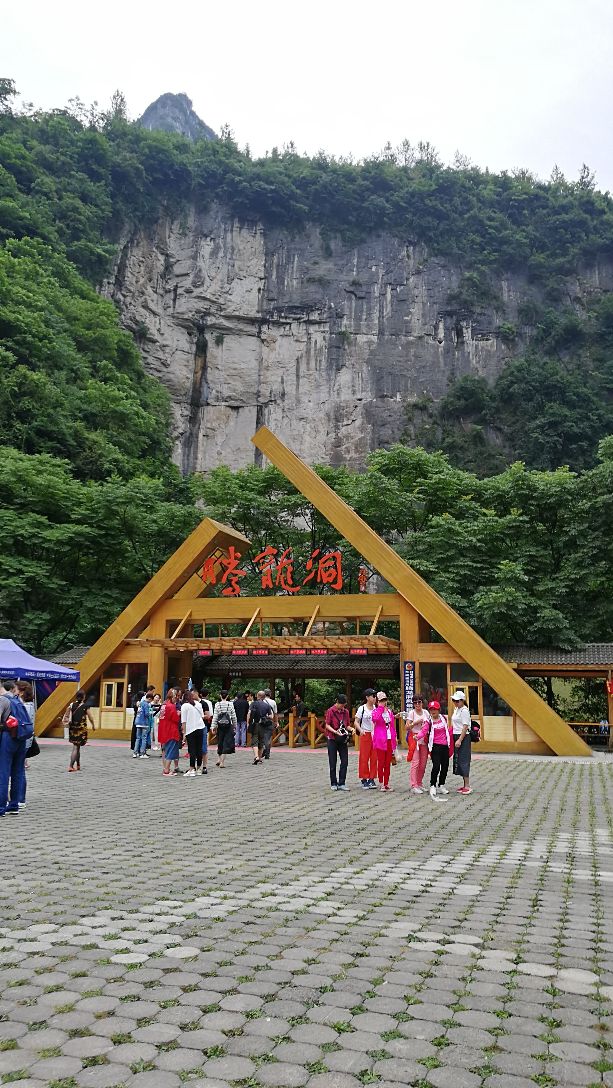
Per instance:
x=439, y=738
x=384, y=739
x=416, y=719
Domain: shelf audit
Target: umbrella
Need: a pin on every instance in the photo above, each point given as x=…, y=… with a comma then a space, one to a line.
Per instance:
x=16, y=664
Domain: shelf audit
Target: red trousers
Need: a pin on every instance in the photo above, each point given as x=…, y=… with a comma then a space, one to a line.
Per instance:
x=367, y=758
x=384, y=762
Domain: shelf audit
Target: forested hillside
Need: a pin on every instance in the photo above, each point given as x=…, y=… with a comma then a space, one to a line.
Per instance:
x=91, y=502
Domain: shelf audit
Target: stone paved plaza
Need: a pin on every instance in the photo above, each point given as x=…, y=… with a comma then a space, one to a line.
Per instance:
x=253, y=928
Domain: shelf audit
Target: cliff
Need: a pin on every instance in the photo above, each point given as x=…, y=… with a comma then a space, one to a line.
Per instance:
x=174, y=113
x=325, y=342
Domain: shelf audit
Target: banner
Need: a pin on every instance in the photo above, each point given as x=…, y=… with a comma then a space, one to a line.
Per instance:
x=408, y=686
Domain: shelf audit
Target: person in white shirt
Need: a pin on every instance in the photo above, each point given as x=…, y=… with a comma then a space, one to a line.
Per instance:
x=192, y=724
x=415, y=719
x=460, y=721
x=367, y=757
x=224, y=721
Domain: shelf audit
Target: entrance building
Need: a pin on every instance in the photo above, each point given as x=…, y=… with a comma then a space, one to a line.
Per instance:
x=408, y=633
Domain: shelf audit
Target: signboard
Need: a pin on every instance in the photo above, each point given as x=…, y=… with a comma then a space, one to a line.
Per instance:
x=408, y=685
x=240, y=653
x=358, y=652
x=259, y=653
x=301, y=653
x=205, y=653
x=318, y=653
x=276, y=569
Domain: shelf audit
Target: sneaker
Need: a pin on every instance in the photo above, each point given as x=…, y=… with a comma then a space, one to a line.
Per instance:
x=465, y=790
x=155, y=747
x=416, y=789
x=433, y=792
x=382, y=789
x=134, y=755
x=443, y=790
x=344, y=788
x=255, y=762
x=189, y=774
x=143, y=756
x=12, y=812
x=372, y=785
x=334, y=788
x=22, y=804
x=365, y=784
x=172, y=774
x=389, y=789
x=205, y=770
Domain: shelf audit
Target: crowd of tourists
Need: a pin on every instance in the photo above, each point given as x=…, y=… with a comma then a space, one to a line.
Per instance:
x=429, y=735
x=187, y=717
x=184, y=719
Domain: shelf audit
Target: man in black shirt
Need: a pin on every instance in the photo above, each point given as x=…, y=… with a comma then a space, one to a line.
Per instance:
x=260, y=720
x=301, y=715
x=241, y=707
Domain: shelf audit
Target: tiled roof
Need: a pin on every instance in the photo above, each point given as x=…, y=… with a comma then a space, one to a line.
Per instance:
x=71, y=657
x=330, y=665
x=590, y=653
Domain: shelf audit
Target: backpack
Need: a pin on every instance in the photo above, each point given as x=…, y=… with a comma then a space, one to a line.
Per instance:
x=24, y=722
x=474, y=731
x=79, y=713
x=223, y=718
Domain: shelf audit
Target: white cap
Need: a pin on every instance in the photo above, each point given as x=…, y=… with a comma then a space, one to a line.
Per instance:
x=381, y=695
x=458, y=695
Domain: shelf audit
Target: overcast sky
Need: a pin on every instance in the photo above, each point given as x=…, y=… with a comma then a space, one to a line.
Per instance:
x=509, y=83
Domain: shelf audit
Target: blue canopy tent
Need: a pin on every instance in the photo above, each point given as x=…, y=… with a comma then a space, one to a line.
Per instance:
x=16, y=664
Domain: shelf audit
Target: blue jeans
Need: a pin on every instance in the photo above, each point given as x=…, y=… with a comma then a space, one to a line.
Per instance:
x=12, y=768
x=140, y=744
x=241, y=735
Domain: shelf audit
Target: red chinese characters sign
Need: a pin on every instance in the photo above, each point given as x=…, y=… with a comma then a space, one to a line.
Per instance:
x=276, y=570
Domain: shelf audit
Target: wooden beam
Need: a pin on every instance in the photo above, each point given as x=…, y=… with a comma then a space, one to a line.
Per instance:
x=312, y=620
x=273, y=609
x=205, y=538
x=251, y=623
x=485, y=661
x=375, y=621
x=181, y=624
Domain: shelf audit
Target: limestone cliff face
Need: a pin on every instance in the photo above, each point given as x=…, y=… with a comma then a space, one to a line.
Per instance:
x=325, y=343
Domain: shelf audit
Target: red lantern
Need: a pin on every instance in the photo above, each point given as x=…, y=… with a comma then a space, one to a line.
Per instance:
x=609, y=684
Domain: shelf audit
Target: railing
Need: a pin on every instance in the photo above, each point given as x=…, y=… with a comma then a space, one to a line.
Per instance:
x=599, y=736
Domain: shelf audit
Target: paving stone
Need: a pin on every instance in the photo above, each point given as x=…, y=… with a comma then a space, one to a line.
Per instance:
x=282, y=1075
x=298, y=1053
x=313, y=1033
x=104, y=1076
x=88, y=1047
x=336, y=1080
x=55, y=1068
x=446, y=1077
x=155, y=1078
x=230, y=1067
x=506, y=1080
x=401, y=1070
x=570, y=1073
x=575, y=1052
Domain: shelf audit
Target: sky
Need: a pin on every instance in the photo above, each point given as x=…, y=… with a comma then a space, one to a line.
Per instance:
x=508, y=83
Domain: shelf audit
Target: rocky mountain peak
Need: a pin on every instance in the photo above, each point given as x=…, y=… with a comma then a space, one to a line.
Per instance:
x=174, y=113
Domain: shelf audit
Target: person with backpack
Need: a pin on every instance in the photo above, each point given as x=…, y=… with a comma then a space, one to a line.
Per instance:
x=224, y=722
x=439, y=739
x=15, y=730
x=169, y=733
x=260, y=722
x=80, y=716
x=25, y=693
x=384, y=740
x=143, y=722
x=367, y=756
x=462, y=752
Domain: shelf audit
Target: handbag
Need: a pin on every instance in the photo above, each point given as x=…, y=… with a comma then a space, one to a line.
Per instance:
x=34, y=749
x=412, y=743
x=394, y=760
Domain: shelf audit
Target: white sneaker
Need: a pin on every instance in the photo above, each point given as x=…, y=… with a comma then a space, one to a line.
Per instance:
x=345, y=789
x=433, y=792
x=134, y=755
x=416, y=789
x=143, y=756
x=443, y=790
x=190, y=774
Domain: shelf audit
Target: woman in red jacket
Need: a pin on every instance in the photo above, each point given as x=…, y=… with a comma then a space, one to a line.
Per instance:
x=169, y=733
